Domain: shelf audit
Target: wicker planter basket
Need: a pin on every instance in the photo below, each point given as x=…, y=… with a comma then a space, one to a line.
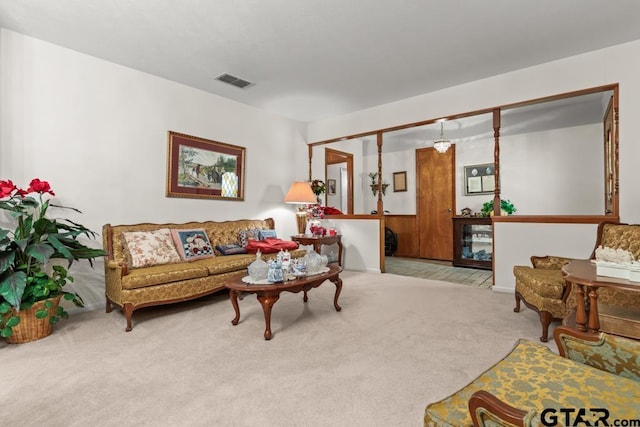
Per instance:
x=31, y=328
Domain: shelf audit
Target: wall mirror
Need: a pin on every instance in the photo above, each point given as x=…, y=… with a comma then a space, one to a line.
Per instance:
x=339, y=179
x=343, y=161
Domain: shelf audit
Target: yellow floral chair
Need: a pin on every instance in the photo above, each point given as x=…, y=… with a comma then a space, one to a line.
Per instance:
x=531, y=385
x=542, y=287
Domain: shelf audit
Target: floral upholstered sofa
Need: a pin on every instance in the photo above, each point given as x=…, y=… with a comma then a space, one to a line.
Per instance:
x=153, y=264
x=542, y=287
x=532, y=386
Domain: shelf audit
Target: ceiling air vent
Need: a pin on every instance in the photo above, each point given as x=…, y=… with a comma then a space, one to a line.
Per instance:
x=234, y=81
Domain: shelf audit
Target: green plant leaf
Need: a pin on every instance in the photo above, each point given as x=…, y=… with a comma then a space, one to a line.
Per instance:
x=42, y=313
x=13, y=321
x=29, y=202
x=21, y=243
x=61, y=248
x=40, y=251
x=6, y=260
x=6, y=332
x=12, y=287
x=4, y=307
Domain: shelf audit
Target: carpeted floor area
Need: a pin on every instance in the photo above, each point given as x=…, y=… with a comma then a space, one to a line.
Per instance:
x=435, y=270
x=398, y=344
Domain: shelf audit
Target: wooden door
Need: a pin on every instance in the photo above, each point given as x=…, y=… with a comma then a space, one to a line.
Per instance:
x=435, y=187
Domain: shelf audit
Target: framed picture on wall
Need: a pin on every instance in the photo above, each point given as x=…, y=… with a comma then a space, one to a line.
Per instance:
x=399, y=181
x=331, y=187
x=202, y=168
x=479, y=179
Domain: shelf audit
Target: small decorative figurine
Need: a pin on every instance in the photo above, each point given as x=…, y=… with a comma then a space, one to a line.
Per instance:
x=285, y=260
x=275, y=274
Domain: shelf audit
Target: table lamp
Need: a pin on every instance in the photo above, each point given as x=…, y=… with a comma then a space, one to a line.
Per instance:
x=300, y=193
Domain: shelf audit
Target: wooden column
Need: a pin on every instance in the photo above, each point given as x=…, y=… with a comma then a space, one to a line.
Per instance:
x=380, y=205
x=496, y=160
x=310, y=147
x=616, y=185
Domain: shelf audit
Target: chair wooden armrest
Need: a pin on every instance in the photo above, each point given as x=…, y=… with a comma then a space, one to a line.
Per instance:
x=602, y=351
x=486, y=409
x=549, y=262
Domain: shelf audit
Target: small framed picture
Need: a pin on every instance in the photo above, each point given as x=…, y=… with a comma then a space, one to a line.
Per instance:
x=331, y=187
x=399, y=181
x=479, y=179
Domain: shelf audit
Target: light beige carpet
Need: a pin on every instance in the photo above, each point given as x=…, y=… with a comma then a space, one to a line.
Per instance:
x=398, y=344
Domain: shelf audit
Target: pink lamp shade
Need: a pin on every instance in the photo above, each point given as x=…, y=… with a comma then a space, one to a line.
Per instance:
x=301, y=193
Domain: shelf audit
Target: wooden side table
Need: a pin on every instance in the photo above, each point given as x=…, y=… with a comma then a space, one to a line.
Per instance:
x=583, y=275
x=318, y=241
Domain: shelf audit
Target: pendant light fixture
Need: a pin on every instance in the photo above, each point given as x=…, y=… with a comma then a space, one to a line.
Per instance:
x=441, y=144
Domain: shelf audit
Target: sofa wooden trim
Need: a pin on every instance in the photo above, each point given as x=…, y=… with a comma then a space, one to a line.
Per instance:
x=483, y=403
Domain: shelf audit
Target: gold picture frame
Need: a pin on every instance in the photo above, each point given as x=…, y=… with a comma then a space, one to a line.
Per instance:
x=204, y=169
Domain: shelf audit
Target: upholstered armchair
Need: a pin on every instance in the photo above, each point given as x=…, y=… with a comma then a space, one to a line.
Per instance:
x=542, y=287
x=531, y=384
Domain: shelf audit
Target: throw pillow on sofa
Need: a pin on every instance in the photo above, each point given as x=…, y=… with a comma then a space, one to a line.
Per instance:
x=147, y=248
x=245, y=235
x=192, y=244
x=265, y=234
x=231, y=249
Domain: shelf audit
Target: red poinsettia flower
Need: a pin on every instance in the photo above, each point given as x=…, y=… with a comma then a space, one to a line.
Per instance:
x=330, y=210
x=6, y=188
x=37, y=186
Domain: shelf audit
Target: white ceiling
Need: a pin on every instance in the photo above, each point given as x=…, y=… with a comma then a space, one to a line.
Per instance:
x=312, y=59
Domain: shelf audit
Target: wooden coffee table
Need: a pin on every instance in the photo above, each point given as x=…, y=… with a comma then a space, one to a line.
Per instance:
x=268, y=294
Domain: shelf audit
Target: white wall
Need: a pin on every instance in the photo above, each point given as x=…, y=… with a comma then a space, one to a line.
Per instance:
x=400, y=202
x=470, y=153
x=569, y=240
x=397, y=203
x=617, y=64
x=539, y=173
x=557, y=172
x=335, y=200
x=97, y=132
x=359, y=256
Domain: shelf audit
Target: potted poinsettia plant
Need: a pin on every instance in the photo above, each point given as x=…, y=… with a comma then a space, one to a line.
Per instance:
x=318, y=187
x=28, y=280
